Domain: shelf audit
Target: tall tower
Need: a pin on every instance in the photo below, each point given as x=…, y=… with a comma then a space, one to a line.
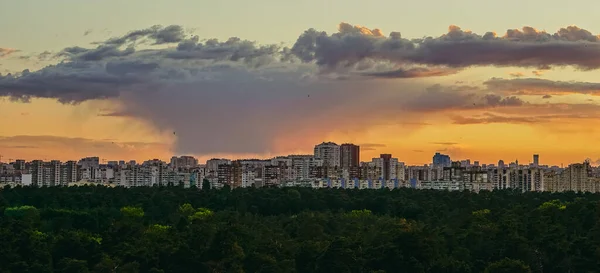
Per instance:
x=349, y=156
x=329, y=152
x=386, y=165
x=536, y=160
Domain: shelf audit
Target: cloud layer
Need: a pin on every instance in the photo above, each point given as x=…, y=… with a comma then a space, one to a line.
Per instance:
x=458, y=48
x=238, y=96
x=542, y=86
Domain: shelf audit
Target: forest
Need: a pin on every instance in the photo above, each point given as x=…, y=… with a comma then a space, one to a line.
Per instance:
x=284, y=230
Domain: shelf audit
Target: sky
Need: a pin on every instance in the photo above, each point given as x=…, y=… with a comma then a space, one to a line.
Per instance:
x=254, y=79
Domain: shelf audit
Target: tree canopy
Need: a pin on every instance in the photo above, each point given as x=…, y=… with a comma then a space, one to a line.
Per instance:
x=173, y=229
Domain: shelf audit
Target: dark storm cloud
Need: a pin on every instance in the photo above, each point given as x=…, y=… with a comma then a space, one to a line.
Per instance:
x=67, y=82
x=535, y=85
x=234, y=49
x=527, y=47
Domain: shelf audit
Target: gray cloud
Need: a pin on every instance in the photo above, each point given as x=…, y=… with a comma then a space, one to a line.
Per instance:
x=412, y=73
x=158, y=34
x=542, y=86
x=521, y=48
x=237, y=96
x=440, y=98
x=116, y=114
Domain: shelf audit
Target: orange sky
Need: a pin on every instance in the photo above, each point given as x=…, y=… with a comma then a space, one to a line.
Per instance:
x=383, y=116
x=44, y=129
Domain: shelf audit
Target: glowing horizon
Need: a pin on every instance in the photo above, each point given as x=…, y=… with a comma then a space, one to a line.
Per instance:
x=118, y=89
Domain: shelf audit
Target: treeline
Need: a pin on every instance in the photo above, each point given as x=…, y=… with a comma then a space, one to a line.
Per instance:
x=172, y=229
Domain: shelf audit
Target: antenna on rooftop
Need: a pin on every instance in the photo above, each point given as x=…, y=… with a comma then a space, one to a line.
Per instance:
x=1, y=158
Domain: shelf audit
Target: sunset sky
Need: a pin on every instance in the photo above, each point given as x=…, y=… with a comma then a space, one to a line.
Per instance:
x=484, y=80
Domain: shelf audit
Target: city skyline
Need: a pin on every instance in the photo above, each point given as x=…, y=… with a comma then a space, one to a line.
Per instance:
x=331, y=165
x=126, y=88
x=342, y=155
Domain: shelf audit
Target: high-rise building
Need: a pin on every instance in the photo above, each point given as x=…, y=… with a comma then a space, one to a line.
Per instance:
x=441, y=160
x=350, y=159
x=536, y=160
x=183, y=162
x=89, y=162
x=329, y=152
x=386, y=166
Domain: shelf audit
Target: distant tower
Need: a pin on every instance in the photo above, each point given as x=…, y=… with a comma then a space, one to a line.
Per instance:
x=536, y=160
x=329, y=152
x=349, y=156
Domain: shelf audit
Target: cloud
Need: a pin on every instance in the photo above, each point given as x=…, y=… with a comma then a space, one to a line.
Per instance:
x=412, y=73
x=87, y=32
x=516, y=74
x=489, y=118
x=116, y=114
x=445, y=143
x=157, y=33
x=542, y=86
x=537, y=73
x=7, y=51
x=547, y=97
x=457, y=48
x=240, y=97
x=443, y=98
x=227, y=97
